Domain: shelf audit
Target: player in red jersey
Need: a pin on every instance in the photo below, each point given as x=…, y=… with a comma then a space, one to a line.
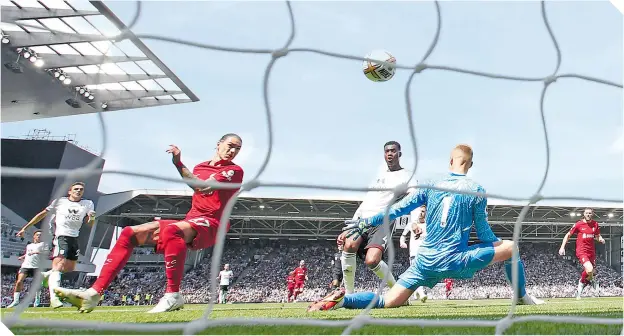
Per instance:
x=172, y=237
x=448, y=284
x=290, y=283
x=301, y=276
x=587, y=230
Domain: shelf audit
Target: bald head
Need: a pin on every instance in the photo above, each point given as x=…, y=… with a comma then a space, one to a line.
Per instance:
x=461, y=159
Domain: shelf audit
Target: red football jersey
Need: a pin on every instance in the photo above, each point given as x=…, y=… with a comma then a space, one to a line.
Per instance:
x=300, y=274
x=585, y=238
x=290, y=280
x=211, y=204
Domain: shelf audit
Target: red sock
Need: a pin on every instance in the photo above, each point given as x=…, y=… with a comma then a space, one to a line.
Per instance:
x=584, y=278
x=175, y=255
x=116, y=259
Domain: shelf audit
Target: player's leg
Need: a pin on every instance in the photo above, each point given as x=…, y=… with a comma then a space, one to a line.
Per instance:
x=348, y=260
x=174, y=240
x=65, y=254
x=130, y=237
x=594, y=280
x=420, y=293
x=298, y=290
x=587, y=276
x=19, y=286
x=503, y=250
x=375, y=263
x=411, y=279
x=291, y=292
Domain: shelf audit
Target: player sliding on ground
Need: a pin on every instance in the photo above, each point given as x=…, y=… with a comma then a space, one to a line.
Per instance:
x=587, y=230
x=172, y=237
x=445, y=252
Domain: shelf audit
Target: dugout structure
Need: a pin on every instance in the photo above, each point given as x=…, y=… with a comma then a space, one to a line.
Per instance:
x=322, y=218
x=73, y=40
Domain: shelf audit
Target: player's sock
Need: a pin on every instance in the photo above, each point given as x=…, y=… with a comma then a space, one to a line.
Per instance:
x=421, y=291
x=360, y=301
x=53, y=282
x=349, y=262
x=116, y=259
x=381, y=269
x=579, y=289
x=521, y=279
x=584, y=278
x=16, y=296
x=175, y=255
x=37, y=298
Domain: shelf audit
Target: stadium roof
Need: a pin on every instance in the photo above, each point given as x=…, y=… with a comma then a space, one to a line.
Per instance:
x=111, y=201
x=73, y=40
x=322, y=218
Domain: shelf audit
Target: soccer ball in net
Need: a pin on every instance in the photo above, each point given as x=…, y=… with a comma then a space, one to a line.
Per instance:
x=378, y=72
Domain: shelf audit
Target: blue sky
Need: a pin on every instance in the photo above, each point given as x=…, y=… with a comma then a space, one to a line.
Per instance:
x=330, y=122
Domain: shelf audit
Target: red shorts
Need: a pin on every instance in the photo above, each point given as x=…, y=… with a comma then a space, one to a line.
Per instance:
x=299, y=285
x=205, y=227
x=583, y=258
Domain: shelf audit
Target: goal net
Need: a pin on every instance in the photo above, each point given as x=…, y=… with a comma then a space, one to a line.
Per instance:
x=547, y=80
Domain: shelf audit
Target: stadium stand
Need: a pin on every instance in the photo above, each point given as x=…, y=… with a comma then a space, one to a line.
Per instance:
x=260, y=268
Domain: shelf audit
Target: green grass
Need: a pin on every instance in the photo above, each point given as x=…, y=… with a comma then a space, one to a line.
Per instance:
x=453, y=309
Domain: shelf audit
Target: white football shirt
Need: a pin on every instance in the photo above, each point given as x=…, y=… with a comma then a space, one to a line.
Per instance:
x=32, y=260
x=414, y=243
x=376, y=201
x=225, y=276
x=69, y=215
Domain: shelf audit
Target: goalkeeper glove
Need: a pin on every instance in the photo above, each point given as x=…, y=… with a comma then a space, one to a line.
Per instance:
x=356, y=228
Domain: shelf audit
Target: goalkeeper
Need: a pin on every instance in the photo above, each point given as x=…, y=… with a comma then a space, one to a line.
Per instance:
x=445, y=252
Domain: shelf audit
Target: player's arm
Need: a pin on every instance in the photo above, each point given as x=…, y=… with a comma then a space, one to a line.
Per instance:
x=567, y=236
x=38, y=217
x=598, y=236
x=184, y=172
x=91, y=213
x=408, y=204
x=480, y=218
x=403, y=236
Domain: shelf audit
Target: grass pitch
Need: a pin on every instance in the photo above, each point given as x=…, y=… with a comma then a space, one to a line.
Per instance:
x=440, y=309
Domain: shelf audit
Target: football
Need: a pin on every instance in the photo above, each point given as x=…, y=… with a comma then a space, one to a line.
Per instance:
x=378, y=72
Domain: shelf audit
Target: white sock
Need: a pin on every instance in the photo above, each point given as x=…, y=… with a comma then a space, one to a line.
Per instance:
x=53, y=282
x=349, y=262
x=579, y=290
x=16, y=296
x=381, y=270
x=421, y=291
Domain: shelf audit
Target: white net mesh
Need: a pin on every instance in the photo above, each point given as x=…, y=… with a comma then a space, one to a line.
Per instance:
x=364, y=317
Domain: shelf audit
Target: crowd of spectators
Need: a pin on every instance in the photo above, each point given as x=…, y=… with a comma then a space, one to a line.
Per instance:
x=260, y=268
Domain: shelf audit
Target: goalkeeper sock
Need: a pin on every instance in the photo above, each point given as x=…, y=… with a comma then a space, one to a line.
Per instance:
x=349, y=262
x=520, y=285
x=381, y=269
x=361, y=300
